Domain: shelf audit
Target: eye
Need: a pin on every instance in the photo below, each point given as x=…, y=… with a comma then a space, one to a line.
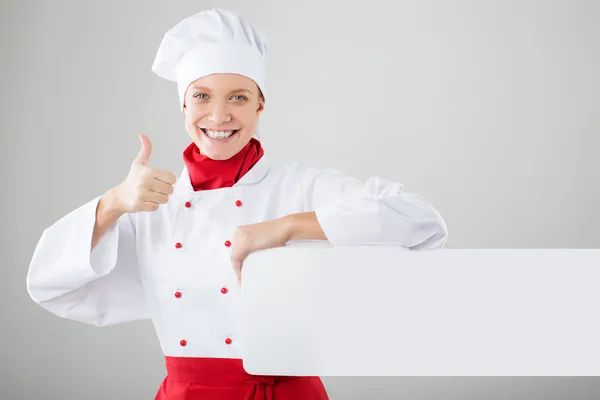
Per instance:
x=240, y=97
x=199, y=96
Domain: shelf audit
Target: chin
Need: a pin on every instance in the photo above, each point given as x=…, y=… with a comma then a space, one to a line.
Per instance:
x=219, y=156
x=216, y=152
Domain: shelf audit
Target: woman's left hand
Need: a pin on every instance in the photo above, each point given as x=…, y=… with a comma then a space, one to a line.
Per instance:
x=259, y=236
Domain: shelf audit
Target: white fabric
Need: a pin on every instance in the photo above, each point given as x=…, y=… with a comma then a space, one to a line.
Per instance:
x=214, y=41
x=135, y=270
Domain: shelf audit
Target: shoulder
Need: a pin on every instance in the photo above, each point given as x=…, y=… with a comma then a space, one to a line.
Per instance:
x=302, y=169
x=320, y=177
x=314, y=179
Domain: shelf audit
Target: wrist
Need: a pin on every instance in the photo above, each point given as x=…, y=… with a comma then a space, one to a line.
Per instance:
x=290, y=227
x=303, y=226
x=110, y=204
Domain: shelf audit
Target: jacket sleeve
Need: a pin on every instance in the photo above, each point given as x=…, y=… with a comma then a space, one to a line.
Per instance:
x=377, y=212
x=100, y=287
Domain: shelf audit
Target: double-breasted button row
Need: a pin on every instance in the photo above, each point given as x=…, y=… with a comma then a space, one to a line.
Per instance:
x=183, y=342
x=224, y=290
x=178, y=245
x=188, y=204
x=238, y=203
x=179, y=295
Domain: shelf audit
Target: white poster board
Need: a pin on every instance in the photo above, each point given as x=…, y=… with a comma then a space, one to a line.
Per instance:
x=383, y=311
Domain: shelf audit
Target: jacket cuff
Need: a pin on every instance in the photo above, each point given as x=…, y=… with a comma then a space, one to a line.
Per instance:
x=102, y=259
x=329, y=219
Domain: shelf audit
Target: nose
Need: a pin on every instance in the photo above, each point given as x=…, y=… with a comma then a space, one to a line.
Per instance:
x=219, y=113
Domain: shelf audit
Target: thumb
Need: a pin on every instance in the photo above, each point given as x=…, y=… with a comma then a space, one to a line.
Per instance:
x=144, y=154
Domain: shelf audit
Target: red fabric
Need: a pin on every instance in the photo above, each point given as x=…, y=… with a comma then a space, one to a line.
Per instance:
x=206, y=173
x=225, y=379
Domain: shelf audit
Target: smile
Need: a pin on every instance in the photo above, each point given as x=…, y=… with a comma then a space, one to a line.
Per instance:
x=219, y=135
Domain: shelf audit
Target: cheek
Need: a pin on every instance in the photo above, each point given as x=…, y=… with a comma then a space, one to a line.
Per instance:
x=189, y=122
x=193, y=115
x=248, y=118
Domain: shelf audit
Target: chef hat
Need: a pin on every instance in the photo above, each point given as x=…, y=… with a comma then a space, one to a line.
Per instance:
x=214, y=41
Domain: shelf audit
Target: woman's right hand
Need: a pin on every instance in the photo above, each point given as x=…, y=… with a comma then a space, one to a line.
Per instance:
x=145, y=188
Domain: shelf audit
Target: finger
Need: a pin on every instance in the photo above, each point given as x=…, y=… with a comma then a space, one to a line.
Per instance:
x=144, y=154
x=237, y=268
x=162, y=187
x=149, y=206
x=154, y=197
x=164, y=176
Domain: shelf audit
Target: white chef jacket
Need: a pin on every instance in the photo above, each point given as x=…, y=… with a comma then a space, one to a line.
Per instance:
x=173, y=265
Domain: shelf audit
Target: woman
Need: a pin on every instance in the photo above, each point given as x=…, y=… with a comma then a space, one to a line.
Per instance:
x=172, y=249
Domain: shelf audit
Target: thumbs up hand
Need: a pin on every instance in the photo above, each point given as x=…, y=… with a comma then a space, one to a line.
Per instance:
x=145, y=188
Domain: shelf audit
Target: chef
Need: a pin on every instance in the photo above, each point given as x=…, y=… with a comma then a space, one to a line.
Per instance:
x=171, y=249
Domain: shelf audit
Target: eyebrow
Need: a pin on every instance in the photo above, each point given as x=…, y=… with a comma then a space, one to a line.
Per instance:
x=205, y=89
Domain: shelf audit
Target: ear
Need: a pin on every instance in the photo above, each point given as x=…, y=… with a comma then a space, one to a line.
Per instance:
x=261, y=107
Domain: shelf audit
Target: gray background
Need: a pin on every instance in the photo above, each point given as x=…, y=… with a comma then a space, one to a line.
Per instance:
x=488, y=108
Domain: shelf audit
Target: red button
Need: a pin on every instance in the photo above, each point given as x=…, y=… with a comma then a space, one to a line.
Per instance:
x=238, y=203
x=227, y=243
x=224, y=290
x=228, y=340
x=178, y=295
x=183, y=343
x=188, y=204
x=178, y=245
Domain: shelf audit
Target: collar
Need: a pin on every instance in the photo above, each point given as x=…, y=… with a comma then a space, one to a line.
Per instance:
x=257, y=173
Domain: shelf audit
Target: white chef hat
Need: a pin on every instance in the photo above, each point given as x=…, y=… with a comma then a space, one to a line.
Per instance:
x=213, y=41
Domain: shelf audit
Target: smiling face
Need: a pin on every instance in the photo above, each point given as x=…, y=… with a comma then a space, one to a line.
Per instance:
x=221, y=113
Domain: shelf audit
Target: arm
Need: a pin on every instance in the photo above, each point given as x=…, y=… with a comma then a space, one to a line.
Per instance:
x=378, y=212
x=99, y=285
x=85, y=266
x=108, y=213
x=304, y=226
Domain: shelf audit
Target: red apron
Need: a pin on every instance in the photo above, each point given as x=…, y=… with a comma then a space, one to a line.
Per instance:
x=191, y=378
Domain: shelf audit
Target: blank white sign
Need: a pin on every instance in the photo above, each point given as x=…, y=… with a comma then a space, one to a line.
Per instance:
x=383, y=311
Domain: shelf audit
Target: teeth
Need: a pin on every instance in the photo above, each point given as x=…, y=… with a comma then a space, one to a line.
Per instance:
x=218, y=134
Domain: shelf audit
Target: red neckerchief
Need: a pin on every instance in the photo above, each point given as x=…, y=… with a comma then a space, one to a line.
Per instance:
x=206, y=173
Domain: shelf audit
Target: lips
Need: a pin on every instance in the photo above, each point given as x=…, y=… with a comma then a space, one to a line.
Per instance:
x=219, y=134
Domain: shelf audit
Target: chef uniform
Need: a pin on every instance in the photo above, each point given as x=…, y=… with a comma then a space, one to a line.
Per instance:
x=173, y=265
